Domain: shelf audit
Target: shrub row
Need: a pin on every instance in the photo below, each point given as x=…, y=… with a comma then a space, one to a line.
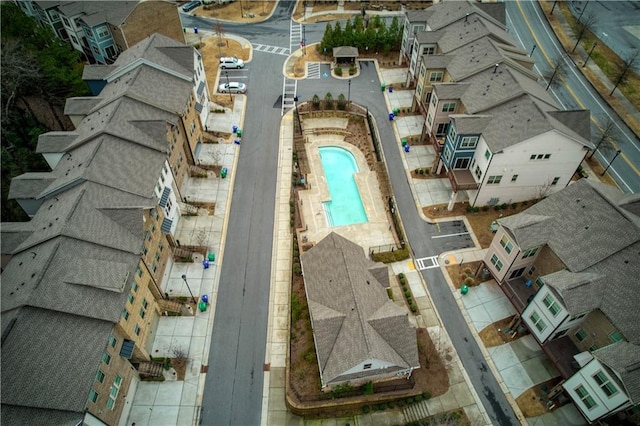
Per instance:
x=391, y=256
x=397, y=403
x=406, y=290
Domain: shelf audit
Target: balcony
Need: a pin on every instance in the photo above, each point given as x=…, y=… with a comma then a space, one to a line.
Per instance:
x=437, y=144
x=560, y=352
x=461, y=179
x=518, y=292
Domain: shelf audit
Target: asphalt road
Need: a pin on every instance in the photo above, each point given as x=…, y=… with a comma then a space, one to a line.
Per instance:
x=527, y=24
x=233, y=385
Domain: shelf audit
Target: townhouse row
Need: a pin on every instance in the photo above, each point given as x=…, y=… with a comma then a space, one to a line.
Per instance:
x=81, y=281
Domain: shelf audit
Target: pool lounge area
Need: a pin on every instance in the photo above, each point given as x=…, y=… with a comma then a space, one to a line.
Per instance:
x=365, y=223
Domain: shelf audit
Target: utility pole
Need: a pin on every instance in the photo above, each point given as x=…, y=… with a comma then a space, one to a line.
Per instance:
x=611, y=162
x=589, y=55
x=184, y=277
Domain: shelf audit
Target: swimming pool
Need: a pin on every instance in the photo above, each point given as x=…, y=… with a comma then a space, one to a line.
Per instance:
x=345, y=207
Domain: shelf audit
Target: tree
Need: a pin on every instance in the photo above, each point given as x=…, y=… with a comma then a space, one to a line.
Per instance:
x=327, y=38
x=627, y=64
x=583, y=26
x=558, y=70
x=608, y=133
x=218, y=28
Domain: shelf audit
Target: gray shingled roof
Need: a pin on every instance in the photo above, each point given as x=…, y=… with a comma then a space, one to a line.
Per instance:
x=55, y=141
x=463, y=32
x=446, y=91
x=580, y=292
x=437, y=61
x=97, y=72
x=419, y=15
x=592, y=237
x=470, y=124
x=12, y=234
x=19, y=416
x=80, y=105
x=29, y=185
x=154, y=49
x=53, y=367
x=345, y=52
x=447, y=12
x=99, y=12
x=353, y=319
x=428, y=37
x=624, y=359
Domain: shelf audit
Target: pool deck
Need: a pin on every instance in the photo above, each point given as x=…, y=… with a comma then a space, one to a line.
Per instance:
x=377, y=230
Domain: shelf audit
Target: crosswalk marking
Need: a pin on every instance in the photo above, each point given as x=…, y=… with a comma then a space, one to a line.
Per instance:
x=313, y=70
x=289, y=89
x=427, y=263
x=271, y=49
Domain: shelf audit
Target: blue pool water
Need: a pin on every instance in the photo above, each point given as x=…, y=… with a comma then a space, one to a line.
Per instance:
x=345, y=207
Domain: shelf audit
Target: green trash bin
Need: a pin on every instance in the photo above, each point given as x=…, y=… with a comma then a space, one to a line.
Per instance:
x=383, y=86
x=464, y=289
x=211, y=257
x=239, y=133
x=396, y=111
x=404, y=141
x=202, y=306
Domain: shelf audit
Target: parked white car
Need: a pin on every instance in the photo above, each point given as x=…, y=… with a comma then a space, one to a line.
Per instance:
x=232, y=87
x=231, y=63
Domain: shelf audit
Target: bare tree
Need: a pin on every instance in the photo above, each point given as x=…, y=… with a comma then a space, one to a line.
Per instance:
x=607, y=133
x=544, y=189
x=583, y=26
x=558, y=70
x=19, y=68
x=218, y=28
x=627, y=64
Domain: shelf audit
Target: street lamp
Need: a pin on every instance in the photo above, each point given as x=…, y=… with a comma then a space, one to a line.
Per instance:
x=295, y=100
x=226, y=74
x=184, y=277
x=532, y=50
x=349, y=97
x=610, y=162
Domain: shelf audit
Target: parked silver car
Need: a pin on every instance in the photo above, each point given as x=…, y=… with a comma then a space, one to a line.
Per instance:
x=232, y=87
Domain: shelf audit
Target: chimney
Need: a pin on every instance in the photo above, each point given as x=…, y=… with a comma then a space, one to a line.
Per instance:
x=495, y=68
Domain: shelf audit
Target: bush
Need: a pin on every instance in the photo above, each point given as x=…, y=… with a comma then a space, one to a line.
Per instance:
x=315, y=101
x=514, y=205
x=469, y=281
x=391, y=256
x=426, y=395
x=410, y=400
x=407, y=294
x=497, y=207
x=418, y=398
x=504, y=206
x=414, y=307
x=390, y=293
x=400, y=403
x=366, y=409
x=328, y=100
x=391, y=405
x=352, y=70
x=342, y=102
x=297, y=269
x=367, y=388
x=485, y=208
x=338, y=70
x=469, y=208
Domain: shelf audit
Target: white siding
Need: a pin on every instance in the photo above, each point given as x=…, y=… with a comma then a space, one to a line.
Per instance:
x=604, y=403
x=550, y=321
x=534, y=176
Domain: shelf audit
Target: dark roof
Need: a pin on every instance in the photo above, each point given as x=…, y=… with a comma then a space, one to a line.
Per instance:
x=353, y=319
x=72, y=347
x=345, y=52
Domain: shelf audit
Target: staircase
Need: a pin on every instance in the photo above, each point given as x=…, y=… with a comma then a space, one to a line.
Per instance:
x=150, y=369
x=169, y=305
x=415, y=412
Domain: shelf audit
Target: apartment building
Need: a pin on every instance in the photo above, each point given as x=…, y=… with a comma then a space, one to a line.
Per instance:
x=101, y=30
x=81, y=284
x=497, y=134
x=570, y=266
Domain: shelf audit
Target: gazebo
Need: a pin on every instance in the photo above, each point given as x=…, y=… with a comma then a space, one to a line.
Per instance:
x=345, y=55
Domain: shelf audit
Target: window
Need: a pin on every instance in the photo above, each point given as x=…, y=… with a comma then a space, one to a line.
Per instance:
x=587, y=400
x=106, y=358
x=453, y=133
x=551, y=304
x=95, y=50
x=531, y=270
x=449, y=107
x=581, y=335
x=428, y=50
x=102, y=32
x=130, y=298
x=429, y=119
x=112, y=341
x=442, y=129
x=547, y=156
x=517, y=273
x=419, y=90
x=139, y=271
x=434, y=99
x=478, y=173
x=436, y=76
x=447, y=153
x=134, y=287
x=469, y=142
x=461, y=163
x=74, y=39
x=142, y=313
x=144, y=303
x=143, y=249
x=555, y=180
x=514, y=178
x=100, y=376
x=559, y=334
x=539, y=156
x=575, y=317
x=113, y=393
x=494, y=180
x=615, y=336
x=593, y=348
x=125, y=314
x=93, y=396
x=110, y=51
x=506, y=244
x=529, y=253
x=487, y=154
x=539, y=282
x=66, y=21
x=367, y=366
x=605, y=384
x=537, y=321
x=496, y=262
x=136, y=330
